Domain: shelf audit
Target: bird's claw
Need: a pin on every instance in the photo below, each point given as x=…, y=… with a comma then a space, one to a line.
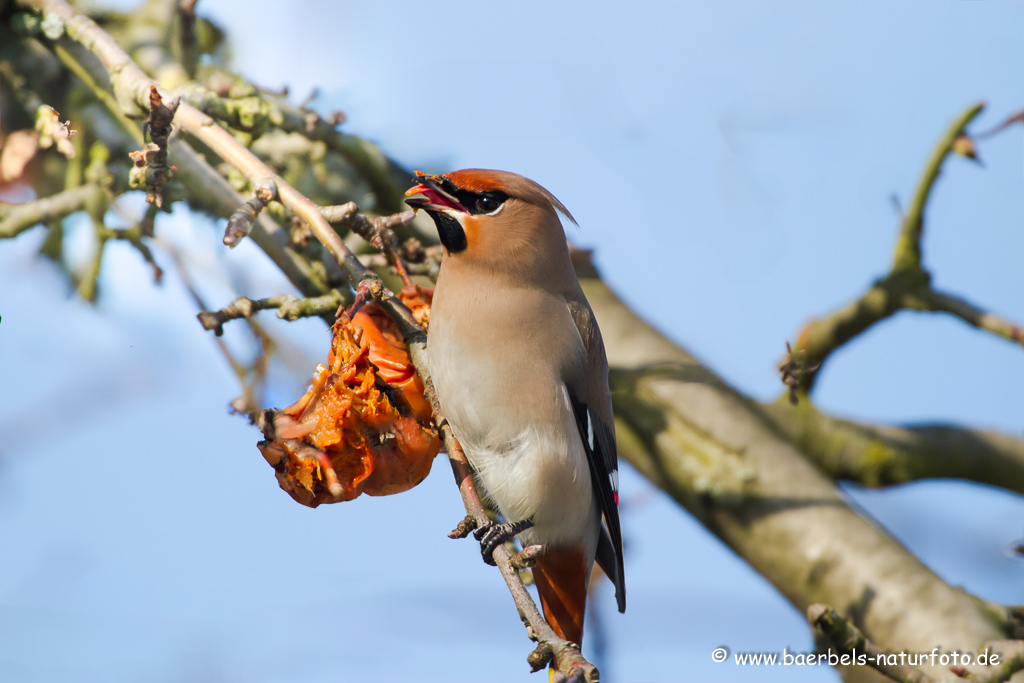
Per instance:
x=492, y=534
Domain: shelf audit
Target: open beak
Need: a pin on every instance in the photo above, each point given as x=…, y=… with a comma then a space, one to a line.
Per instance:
x=434, y=198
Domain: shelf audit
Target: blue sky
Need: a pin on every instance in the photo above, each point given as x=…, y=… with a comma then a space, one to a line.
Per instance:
x=732, y=164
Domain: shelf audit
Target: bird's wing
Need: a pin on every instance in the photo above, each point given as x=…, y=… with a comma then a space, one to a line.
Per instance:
x=592, y=406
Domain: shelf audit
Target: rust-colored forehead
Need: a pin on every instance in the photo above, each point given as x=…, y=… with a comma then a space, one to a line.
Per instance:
x=478, y=180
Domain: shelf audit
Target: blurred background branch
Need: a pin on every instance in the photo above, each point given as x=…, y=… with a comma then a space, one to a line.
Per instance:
x=761, y=477
x=906, y=286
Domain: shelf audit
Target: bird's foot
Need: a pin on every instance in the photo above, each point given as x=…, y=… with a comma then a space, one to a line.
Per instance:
x=492, y=534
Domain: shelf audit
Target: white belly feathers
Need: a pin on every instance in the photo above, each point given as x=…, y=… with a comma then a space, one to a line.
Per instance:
x=529, y=458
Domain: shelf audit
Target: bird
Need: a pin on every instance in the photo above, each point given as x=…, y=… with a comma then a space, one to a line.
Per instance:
x=520, y=372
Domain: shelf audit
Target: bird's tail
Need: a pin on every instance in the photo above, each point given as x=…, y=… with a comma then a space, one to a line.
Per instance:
x=561, y=578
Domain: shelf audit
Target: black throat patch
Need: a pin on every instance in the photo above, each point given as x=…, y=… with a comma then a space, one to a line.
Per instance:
x=453, y=237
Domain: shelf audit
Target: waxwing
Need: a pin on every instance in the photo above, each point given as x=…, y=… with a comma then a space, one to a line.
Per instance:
x=521, y=375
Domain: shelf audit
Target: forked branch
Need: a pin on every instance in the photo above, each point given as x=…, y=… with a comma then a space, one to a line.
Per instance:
x=907, y=286
x=132, y=89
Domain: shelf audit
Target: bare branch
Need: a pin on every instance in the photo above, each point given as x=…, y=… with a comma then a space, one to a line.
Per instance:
x=187, y=36
x=151, y=171
x=848, y=638
x=17, y=218
x=256, y=113
x=26, y=97
x=883, y=455
x=132, y=86
x=206, y=188
x=88, y=287
x=908, y=246
x=244, y=218
x=210, y=191
x=1012, y=662
x=288, y=307
x=82, y=72
x=134, y=236
x=550, y=646
x=251, y=378
x=907, y=285
x=930, y=300
x=378, y=231
x=712, y=450
x=428, y=267
x=1006, y=123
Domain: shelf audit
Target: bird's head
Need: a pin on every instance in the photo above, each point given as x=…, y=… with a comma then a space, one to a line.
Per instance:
x=490, y=216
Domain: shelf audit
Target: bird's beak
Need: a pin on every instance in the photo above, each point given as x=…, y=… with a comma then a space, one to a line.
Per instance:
x=435, y=197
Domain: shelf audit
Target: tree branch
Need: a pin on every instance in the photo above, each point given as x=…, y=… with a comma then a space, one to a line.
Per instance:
x=18, y=218
x=244, y=218
x=908, y=247
x=850, y=640
x=549, y=644
x=150, y=170
x=712, y=450
x=131, y=87
x=907, y=285
x=1012, y=662
x=187, y=36
x=257, y=113
x=378, y=231
x=288, y=307
x=883, y=455
x=206, y=189
x=210, y=191
x=931, y=300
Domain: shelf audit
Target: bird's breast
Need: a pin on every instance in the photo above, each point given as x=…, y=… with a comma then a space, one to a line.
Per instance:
x=499, y=360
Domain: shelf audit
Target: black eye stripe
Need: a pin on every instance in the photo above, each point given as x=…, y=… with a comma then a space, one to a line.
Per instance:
x=469, y=199
x=475, y=201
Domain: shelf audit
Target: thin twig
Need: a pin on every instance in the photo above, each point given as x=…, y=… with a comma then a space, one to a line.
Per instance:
x=848, y=638
x=1018, y=117
x=134, y=236
x=549, y=644
x=257, y=113
x=377, y=230
x=248, y=377
x=428, y=267
x=876, y=455
x=1011, y=664
x=205, y=186
x=244, y=218
x=150, y=171
x=187, y=36
x=945, y=303
x=20, y=217
x=83, y=74
x=907, y=285
x=132, y=85
x=208, y=189
x=89, y=285
x=288, y=307
x=26, y=97
x=908, y=246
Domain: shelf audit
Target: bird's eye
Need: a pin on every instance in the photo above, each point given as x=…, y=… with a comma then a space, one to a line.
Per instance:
x=487, y=204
